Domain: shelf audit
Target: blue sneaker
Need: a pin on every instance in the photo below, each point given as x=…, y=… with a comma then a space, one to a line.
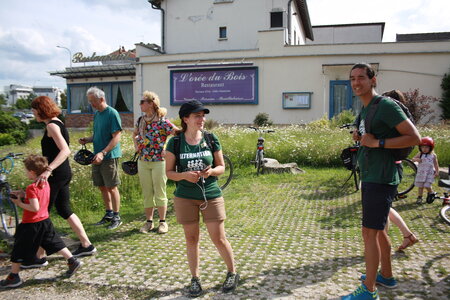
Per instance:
x=389, y=283
x=362, y=293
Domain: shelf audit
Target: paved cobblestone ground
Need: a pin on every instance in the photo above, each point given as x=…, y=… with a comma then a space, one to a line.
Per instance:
x=291, y=244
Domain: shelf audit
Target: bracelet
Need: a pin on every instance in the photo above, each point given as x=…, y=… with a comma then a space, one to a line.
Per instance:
x=49, y=169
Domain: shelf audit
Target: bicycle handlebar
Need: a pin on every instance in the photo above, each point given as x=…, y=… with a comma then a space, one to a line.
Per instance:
x=260, y=130
x=347, y=125
x=11, y=155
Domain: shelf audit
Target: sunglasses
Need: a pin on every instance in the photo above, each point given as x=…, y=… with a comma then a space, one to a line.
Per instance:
x=144, y=101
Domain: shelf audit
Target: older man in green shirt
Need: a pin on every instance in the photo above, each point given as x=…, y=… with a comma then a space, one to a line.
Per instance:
x=105, y=166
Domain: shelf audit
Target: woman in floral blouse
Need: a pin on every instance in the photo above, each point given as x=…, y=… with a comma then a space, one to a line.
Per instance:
x=150, y=135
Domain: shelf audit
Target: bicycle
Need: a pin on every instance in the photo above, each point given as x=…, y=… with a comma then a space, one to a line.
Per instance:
x=407, y=168
x=225, y=179
x=259, y=155
x=8, y=210
x=444, y=212
x=350, y=161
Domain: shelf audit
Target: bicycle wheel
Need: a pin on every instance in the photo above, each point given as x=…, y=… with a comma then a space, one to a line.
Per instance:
x=7, y=165
x=8, y=211
x=225, y=179
x=259, y=162
x=407, y=178
x=445, y=213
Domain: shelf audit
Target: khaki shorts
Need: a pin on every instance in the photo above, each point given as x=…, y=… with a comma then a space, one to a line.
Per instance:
x=107, y=173
x=187, y=210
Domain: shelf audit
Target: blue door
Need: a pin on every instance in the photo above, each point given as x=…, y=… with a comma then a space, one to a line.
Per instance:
x=342, y=98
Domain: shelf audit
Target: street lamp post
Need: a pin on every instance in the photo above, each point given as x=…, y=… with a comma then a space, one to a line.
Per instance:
x=70, y=53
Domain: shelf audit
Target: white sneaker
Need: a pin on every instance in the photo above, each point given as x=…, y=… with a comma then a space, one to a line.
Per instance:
x=163, y=227
x=148, y=226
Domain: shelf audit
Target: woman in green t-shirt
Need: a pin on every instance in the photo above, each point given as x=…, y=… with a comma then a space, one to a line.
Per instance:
x=194, y=162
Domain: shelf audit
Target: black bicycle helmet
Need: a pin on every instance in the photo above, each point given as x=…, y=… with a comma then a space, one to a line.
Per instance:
x=130, y=167
x=84, y=156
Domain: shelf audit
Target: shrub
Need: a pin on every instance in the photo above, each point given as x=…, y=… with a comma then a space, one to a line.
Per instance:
x=262, y=119
x=319, y=123
x=20, y=136
x=420, y=106
x=6, y=139
x=36, y=125
x=445, y=101
x=344, y=117
x=12, y=126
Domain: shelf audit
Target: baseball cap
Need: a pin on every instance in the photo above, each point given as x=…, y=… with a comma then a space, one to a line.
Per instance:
x=192, y=106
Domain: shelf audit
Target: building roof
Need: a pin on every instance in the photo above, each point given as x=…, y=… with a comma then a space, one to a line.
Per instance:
x=151, y=46
x=382, y=24
x=96, y=71
x=304, y=15
x=417, y=37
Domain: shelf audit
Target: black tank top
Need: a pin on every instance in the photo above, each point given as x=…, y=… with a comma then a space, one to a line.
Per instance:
x=51, y=150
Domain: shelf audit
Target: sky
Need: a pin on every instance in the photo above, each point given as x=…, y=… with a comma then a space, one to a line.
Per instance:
x=30, y=30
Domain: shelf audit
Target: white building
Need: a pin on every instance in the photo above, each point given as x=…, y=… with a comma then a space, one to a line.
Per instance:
x=51, y=92
x=223, y=25
x=251, y=56
x=15, y=91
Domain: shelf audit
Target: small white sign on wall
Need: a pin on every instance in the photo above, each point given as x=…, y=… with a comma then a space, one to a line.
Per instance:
x=299, y=100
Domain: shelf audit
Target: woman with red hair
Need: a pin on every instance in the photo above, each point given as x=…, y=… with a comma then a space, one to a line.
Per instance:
x=55, y=146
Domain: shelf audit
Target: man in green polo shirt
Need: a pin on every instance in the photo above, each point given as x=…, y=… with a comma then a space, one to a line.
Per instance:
x=389, y=129
x=105, y=166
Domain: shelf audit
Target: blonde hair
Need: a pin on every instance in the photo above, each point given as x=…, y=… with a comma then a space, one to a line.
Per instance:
x=152, y=97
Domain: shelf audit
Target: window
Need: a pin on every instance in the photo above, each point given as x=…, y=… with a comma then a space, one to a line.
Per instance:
x=118, y=95
x=222, y=32
x=276, y=19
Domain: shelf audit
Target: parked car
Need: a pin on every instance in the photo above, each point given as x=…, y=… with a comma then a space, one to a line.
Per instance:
x=23, y=115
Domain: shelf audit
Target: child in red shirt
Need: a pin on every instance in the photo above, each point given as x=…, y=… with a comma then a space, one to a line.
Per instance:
x=36, y=229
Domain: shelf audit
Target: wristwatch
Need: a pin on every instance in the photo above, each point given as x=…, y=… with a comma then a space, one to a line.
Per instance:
x=381, y=143
x=104, y=153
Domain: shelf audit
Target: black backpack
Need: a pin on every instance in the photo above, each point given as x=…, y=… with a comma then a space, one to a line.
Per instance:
x=398, y=154
x=177, y=147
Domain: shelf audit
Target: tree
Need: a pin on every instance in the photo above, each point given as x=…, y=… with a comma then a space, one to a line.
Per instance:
x=445, y=101
x=3, y=100
x=25, y=103
x=420, y=106
x=64, y=100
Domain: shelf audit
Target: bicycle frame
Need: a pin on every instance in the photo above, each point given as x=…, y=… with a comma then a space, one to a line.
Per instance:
x=259, y=155
x=354, y=162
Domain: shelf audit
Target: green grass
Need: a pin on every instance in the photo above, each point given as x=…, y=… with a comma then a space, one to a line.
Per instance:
x=301, y=226
x=313, y=148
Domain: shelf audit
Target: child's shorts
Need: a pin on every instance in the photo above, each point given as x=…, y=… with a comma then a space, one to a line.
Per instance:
x=423, y=184
x=30, y=236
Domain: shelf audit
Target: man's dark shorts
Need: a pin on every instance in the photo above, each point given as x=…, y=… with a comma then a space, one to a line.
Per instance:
x=376, y=203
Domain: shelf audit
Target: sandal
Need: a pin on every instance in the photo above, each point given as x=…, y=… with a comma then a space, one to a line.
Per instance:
x=411, y=241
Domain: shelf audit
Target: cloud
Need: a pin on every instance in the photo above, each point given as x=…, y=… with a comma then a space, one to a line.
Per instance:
x=80, y=39
x=24, y=44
